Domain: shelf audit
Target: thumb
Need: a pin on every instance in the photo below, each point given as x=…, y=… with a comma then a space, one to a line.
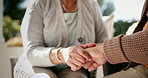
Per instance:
x=89, y=45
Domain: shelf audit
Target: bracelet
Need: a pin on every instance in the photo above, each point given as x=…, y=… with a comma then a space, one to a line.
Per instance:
x=65, y=52
x=56, y=54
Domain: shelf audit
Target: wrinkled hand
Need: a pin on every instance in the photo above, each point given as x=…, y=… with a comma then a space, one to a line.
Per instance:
x=97, y=54
x=77, y=56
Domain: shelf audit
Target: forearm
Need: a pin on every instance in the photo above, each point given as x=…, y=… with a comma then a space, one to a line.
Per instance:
x=127, y=48
x=45, y=57
x=135, y=47
x=39, y=56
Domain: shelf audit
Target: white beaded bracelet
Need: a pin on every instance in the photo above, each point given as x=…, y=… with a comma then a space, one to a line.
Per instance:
x=56, y=54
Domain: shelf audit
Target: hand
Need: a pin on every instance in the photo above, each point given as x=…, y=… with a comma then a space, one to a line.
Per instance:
x=77, y=56
x=97, y=54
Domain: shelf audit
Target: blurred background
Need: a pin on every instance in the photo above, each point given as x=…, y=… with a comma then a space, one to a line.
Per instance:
x=126, y=13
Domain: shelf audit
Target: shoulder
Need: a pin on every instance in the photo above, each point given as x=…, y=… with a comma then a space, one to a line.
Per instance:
x=90, y=2
x=92, y=5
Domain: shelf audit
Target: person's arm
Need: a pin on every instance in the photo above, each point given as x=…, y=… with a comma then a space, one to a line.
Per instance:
x=32, y=35
x=127, y=48
x=120, y=49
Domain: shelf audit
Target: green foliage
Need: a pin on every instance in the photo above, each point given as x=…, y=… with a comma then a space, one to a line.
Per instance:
x=122, y=26
x=100, y=2
x=13, y=14
x=11, y=27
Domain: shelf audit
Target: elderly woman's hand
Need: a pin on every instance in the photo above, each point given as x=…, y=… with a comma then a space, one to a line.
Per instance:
x=76, y=56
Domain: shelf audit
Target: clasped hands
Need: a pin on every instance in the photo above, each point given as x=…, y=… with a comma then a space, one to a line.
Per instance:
x=90, y=56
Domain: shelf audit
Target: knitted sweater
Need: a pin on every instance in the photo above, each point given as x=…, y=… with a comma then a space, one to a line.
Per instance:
x=127, y=48
x=131, y=47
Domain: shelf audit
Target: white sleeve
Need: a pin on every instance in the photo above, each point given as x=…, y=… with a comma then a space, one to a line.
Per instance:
x=32, y=35
x=101, y=31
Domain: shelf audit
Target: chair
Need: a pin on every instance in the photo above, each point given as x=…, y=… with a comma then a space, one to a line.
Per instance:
x=13, y=62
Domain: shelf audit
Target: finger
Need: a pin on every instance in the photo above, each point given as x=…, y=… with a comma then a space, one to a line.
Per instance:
x=73, y=66
x=78, y=57
x=84, y=46
x=76, y=62
x=88, y=45
x=74, y=69
x=84, y=53
x=87, y=64
x=78, y=68
x=91, y=68
x=70, y=63
x=95, y=65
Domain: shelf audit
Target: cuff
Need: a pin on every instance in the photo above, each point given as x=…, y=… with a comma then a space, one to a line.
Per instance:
x=113, y=50
x=46, y=59
x=65, y=53
x=41, y=58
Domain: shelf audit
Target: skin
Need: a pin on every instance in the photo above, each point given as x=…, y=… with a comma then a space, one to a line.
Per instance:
x=146, y=25
x=97, y=54
x=70, y=5
x=78, y=56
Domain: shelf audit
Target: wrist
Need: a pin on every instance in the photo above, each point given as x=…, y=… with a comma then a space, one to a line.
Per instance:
x=61, y=57
x=64, y=54
x=54, y=56
x=100, y=47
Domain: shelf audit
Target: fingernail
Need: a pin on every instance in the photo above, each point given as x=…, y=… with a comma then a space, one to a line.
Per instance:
x=89, y=59
x=72, y=69
x=89, y=70
x=85, y=67
x=78, y=67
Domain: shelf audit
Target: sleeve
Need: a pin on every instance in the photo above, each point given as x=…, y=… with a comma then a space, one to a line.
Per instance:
x=32, y=35
x=127, y=48
x=101, y=31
